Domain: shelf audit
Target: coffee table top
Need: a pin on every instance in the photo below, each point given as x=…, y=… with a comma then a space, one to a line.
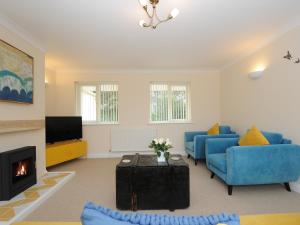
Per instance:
x=150, y=161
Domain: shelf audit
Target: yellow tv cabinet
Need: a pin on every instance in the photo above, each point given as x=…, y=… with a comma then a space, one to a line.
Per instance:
x=64, y=151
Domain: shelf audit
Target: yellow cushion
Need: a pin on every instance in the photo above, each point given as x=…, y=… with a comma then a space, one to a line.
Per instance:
x=253, y=137
x=276, y=219
x=215, y=130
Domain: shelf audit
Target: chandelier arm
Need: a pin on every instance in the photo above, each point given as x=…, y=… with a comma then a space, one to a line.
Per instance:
x=147, y=25
x=167, y=19
x=150, y=24
x=161, y=21
x=155, y=14
x=146, y=10
x=154, y=26
x=152, y=17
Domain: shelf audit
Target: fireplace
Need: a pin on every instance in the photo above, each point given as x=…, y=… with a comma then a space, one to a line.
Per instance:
x=17, y=171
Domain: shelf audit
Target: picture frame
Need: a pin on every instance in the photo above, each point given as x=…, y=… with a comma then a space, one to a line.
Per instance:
x=16, y=75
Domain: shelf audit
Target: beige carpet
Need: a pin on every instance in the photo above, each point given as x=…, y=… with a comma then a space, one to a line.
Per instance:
x=95, y=181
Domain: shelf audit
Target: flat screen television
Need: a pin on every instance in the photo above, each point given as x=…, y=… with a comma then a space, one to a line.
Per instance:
x=62, y=128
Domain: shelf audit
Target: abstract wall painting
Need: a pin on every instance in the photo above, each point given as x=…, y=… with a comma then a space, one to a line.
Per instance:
x=16, y=75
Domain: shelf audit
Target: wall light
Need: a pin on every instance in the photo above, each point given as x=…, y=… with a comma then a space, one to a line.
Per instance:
x=257, y=73
x=46, y=82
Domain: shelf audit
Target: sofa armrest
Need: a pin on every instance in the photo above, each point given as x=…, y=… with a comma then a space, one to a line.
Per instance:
x=263, y=164
x=219, y=145
x=200, y=141
x=189, y=136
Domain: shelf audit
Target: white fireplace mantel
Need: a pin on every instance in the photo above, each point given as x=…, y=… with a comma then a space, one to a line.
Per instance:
x=12, y=126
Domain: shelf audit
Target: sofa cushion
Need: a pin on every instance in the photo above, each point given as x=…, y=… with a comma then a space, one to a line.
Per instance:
x=225, y=130
x=253, y=137
x=273, y=138
x=215, y=130
x=218, y=161
x=189, y=145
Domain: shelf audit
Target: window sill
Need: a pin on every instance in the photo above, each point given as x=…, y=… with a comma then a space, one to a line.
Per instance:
x=98, y=123
x=171, y=122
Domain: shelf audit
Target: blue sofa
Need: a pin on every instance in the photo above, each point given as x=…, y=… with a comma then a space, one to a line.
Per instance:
x=278, y=162
x=98, y=215
x=195, y=141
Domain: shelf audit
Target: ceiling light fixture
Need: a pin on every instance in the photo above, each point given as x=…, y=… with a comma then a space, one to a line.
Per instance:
x=152, y=14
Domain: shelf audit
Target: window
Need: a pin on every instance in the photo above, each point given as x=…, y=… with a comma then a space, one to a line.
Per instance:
x=169, y=102
x=98, y=103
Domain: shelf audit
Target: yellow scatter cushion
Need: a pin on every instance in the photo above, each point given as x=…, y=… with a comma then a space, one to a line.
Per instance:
x=215, y=130
x=253, y=137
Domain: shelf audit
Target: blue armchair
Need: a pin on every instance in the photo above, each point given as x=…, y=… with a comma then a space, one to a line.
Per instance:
x=195, y=141
x=278, y=162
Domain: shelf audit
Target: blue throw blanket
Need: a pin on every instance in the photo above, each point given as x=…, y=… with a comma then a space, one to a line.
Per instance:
x=97, y=215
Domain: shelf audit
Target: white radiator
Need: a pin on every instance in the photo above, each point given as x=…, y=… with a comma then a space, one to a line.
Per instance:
x=131, y=139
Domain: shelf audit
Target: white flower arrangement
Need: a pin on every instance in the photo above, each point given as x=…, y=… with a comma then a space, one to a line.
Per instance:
x=161, y=146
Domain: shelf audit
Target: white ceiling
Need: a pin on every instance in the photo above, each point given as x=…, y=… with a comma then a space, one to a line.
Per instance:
x=104, y=35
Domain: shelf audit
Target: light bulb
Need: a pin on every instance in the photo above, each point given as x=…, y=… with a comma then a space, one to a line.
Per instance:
x=260, y=68
x=174, y=12
x=143, y=2
x=142, y=23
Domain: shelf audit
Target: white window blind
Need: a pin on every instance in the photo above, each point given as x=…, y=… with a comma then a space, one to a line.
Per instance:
x=159, y=102
x=169, y=102
x=98, y=103
x=88, y=103
x=179, y=102
x=109, y=103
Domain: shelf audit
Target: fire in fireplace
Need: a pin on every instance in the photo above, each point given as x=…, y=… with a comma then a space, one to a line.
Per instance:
x=18, y=171
x=21, y=170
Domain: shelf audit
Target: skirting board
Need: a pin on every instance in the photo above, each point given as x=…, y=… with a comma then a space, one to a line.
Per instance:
x=106, y=155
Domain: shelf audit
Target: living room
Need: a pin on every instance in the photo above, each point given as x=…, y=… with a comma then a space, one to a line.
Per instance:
x=231, y=66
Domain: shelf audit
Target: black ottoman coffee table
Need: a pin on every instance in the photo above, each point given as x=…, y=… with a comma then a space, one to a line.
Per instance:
x=144, y=184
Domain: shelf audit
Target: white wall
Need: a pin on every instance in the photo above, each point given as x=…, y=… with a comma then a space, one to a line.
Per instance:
x=50, y=79
x=134, y=103
x=14, y=111
x=272, y=102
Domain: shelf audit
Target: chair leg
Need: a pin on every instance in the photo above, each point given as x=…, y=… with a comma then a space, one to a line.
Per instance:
x=287, y=187
x=196, y=162
x=212, y=175
x=230, y=187
x=188, y=156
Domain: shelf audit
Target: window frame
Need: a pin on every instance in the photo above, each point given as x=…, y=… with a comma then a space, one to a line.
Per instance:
x=170, y=108
x=78, y=85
